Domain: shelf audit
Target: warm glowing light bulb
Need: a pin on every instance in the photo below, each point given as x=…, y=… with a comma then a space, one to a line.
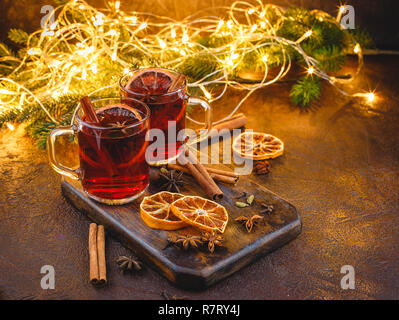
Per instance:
x=53, y=26
x=262, y=24
x=262, y=14
x=254, y=27
x=182, y=52
x=10, y=126
x=48, y=33
x=33, y=51
x=234, y=56
x=357, y=48
x=81, y=7
x=265, y=57
x=143, y=26
x=162, y=44
x=206, y=92
x=112, y=32
x=370, y=97
x=310, y=70
x=251, y=11
x=173, y=33
x=55, y=94
x=342, y=9
x=93, y=68
x=5, y=91
x=99, y=21
x=308, y=33
x=132, y=19
x=117, y=5
x=185, y=38
x=220, y=24
x=229, y=24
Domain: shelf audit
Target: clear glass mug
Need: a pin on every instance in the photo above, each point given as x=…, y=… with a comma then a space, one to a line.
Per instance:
x=113, y=168
x=168, y=111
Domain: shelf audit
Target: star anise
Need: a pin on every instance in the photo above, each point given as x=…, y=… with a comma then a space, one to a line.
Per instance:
x=262, y=167
x=185, y=241
x=128, y=264
x=249, y=222
x=117, y=125
x=174, y=180
x=266, y=208
x=213, y=240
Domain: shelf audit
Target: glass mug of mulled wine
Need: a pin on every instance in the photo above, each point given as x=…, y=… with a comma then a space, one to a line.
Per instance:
x=165, y=93
x=113, y=168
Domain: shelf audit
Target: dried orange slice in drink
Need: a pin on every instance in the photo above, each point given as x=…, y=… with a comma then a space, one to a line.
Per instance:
x=258, y=146
x=109, y=113
x=155, y=211
x=151, y=81
x=201, y=213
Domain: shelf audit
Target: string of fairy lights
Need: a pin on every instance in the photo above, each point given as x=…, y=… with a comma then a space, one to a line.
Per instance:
x=98, y=36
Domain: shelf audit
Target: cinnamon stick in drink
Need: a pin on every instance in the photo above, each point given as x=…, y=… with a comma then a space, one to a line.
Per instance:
x=176, y=83
x=91, y=116
x=89, y=111
x=94, y=272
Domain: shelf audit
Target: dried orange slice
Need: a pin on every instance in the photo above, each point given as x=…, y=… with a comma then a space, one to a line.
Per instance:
x=258, y=146
x=201, y=213
x=155, y=211
x=109, y=113
x=150, y=81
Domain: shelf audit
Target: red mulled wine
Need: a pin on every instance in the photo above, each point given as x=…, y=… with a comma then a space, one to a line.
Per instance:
x=168, y=109
x=112, y=156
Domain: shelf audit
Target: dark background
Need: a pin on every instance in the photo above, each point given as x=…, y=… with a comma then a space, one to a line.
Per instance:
x=379, y=17
x=340, y=169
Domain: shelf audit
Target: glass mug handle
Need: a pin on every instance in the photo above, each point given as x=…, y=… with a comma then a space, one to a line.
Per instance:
x=70, y=173
x=208, y=117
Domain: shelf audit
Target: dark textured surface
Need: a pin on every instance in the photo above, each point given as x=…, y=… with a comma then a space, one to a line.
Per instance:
x=340, y=169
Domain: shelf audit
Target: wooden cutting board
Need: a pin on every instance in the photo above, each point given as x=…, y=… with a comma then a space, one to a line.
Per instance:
x=196, y=268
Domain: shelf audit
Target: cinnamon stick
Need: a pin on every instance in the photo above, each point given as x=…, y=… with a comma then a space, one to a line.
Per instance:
x=89, y=110
x=223, y=176
x=98, y=271
x=104, y=156
x=202, y=176
x=225, y=179
x=94, y=272
x=102, y=268
x=222, y=172
x=234, y=122
x=175, y=82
